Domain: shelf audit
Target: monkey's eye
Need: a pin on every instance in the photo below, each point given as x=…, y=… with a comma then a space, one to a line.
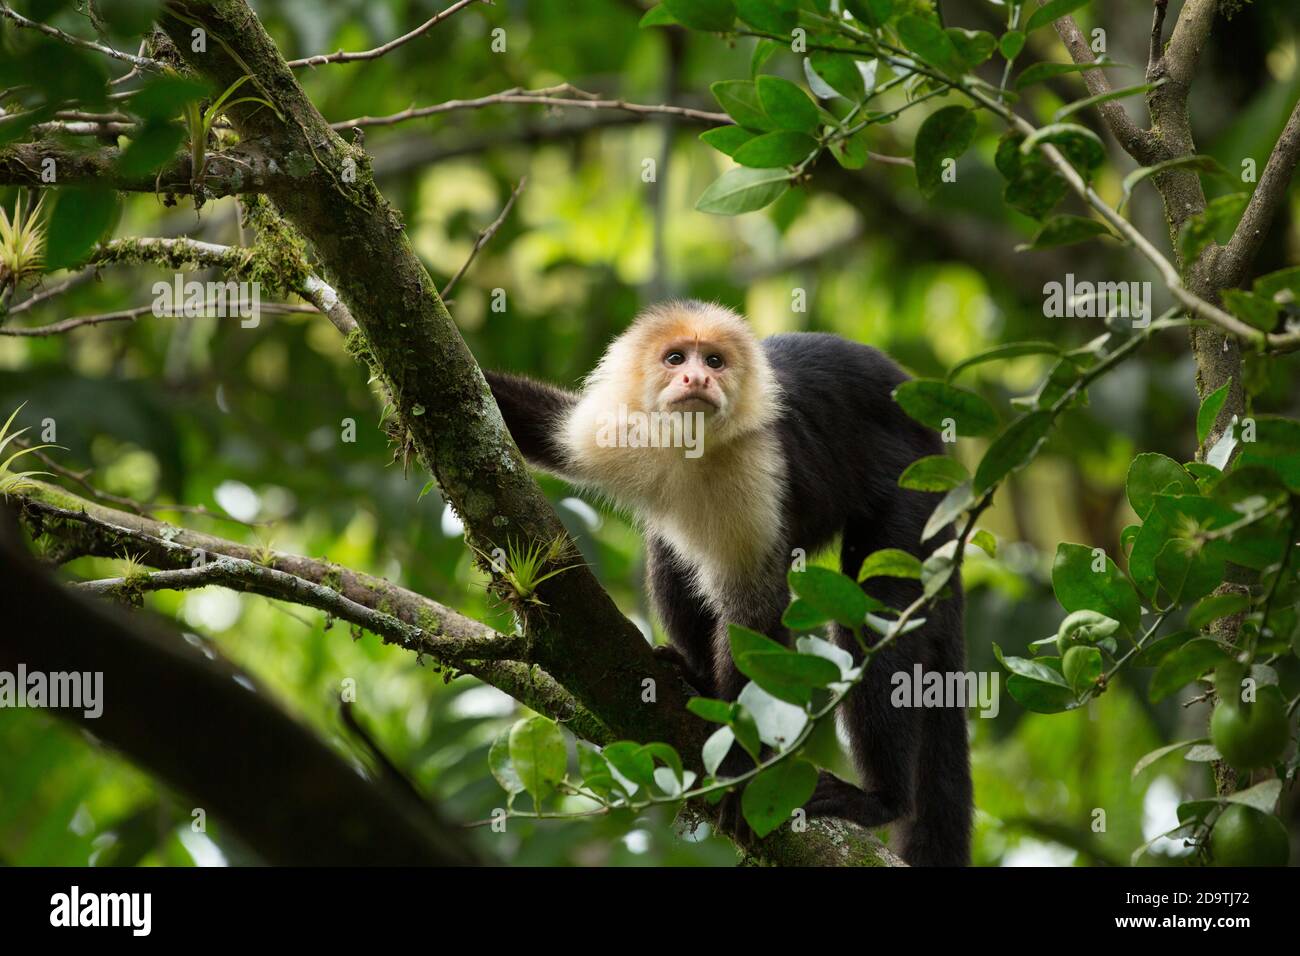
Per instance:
x=714, y=361
x=674, y=358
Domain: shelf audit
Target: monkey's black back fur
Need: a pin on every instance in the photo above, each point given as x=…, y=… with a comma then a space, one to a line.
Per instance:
x=845, y=442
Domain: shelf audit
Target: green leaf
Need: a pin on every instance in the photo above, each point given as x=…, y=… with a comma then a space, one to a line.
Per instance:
x=838, y=71
x=833, y=594
x=1066, y=230
x=953, y=503
x=874, y=13
x=937, y=570
x=1254, y=310
x=499, y=763
x=1000, y=352
x=1151, y=474
x=1123, y=92
x=933, y=473
x=740, y=100
x=163, y=97
x=745, y=728
x=973, y=46
x=1201, y=164
x=851, y=153
x=727, y=139
x=945, y=135
x=1187, y=570
x=1038, y=72
x=1210, y=609
x=935, y=403
x=743, y=640
x=632, y=761
x=776, y=793
x=802, y=616
x=1039, y=697
x=786, y=675
x=1185, y=664
x=787, y=105
x=658, y=16
x=1079, y=587
x=771, y=16
x=1012, y=42
x=742, y=190
x=1214, y=222
x=80, y=218
x=1013, y=449
x=1080, y=145
x=782, y=148
x=1148, y=759
x=1282, y=286
x=1050, y=11
x=1209, y=411
x=716, y=16
x=928, y=40
x=715, y=711
x=154, y=145
x=538, y=755
x=985, y=541
x=1081, y=667
x=890, y=563
x=594, y=769
x=1033, y=186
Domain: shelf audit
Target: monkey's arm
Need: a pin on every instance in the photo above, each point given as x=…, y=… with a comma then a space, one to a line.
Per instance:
x=534, y=413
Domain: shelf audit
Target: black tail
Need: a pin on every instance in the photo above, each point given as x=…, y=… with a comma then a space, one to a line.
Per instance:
x=534, y=412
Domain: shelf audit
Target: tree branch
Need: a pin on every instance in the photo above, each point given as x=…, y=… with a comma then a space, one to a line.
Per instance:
x=1136, y=141
x=82, y=527
x=342, y=56
x=551, y=96
x=483, y=238
x=210, y=731
x=1235, y=259
x=241, y=169
x=139, y=62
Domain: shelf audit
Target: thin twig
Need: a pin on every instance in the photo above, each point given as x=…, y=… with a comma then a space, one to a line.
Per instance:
x=564, y=95
x=483, y=238
x=1157, y=38
x=342, y=56
x=140, y=62
x=130, y=315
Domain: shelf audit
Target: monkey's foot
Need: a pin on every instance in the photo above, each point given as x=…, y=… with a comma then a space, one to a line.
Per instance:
x=671, y=654
x=837, y=798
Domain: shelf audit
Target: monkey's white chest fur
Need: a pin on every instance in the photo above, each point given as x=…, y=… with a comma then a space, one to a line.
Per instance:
x=721, y=512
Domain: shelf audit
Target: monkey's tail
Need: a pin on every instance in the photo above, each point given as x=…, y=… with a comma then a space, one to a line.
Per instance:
x=939, y=834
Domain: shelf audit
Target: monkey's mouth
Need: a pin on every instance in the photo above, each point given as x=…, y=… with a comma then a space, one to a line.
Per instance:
x=693, y=402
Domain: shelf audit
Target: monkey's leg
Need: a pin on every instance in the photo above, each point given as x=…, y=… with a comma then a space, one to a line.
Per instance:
x=884, y=740
x=685, y=616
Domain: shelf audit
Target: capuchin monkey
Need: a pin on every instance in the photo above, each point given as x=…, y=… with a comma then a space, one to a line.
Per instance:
x=801, y=442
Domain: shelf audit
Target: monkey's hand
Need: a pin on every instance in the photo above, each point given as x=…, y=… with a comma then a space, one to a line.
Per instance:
x=838, y=798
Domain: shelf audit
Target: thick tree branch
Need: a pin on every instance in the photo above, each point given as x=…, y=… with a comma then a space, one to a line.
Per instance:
x=237, y=574
x=243, y=168
x=78, y=526
x=208, y=730
x=1235, y=259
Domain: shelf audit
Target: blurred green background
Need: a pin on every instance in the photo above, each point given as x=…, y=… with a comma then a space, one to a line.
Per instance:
x=201, y=411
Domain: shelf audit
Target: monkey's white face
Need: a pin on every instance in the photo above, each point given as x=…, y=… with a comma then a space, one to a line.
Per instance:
x=692, y=378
